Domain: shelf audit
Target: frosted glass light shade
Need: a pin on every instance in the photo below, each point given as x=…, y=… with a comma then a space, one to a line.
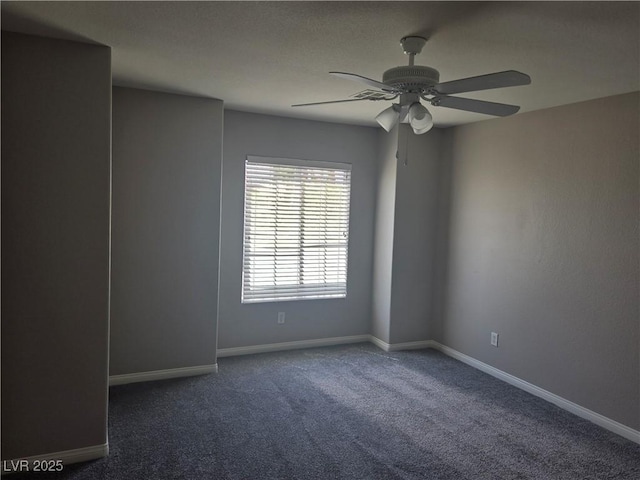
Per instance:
x=388, y=118
x=420, y=119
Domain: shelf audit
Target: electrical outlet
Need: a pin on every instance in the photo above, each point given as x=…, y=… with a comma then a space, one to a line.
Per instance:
x=280, y=318
x=494, y=339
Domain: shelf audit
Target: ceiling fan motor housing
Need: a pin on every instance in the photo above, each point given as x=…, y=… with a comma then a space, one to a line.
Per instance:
x=411, y=77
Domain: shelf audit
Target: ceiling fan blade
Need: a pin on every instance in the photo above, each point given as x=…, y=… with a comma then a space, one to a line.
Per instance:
x=331, y=101
x=510, y=78
x=365, y=80
x=476, y=106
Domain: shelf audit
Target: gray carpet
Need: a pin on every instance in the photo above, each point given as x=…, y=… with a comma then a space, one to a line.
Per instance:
x=349, y=412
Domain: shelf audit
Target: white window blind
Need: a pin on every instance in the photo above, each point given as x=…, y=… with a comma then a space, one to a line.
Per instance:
x=296, y=229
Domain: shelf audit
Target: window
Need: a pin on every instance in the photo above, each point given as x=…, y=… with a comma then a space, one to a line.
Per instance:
x=296, y=229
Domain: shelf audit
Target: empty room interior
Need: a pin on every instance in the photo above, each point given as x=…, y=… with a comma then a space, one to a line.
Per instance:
x=291, y=240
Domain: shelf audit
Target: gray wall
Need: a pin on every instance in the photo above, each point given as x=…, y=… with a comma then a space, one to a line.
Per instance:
x=543, y=249
x=414, y=244
x=56, y=114
x=256, y=324
x=405, y=235
x=167, y=153
x=383, y=235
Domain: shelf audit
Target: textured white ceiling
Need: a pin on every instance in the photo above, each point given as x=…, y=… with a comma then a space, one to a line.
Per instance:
x=265, y=56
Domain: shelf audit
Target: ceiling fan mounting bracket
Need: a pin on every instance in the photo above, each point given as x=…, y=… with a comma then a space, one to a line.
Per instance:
x=411, y=78
x=412, y=45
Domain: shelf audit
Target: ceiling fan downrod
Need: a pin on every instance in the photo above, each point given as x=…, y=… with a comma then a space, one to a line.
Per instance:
x=412, y=46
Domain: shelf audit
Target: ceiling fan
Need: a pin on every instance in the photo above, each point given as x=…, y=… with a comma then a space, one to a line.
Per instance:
x=414, y=82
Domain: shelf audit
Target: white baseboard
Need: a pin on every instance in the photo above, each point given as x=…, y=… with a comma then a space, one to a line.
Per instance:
x=394, y=347
x=276, y=347
x=162, y=374
x=598, y=419
x=67, y=457
x=601, y=420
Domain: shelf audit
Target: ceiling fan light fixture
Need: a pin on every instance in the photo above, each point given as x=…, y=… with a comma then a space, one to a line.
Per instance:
x=414, y=82
x=420, y=119
x=388, y=118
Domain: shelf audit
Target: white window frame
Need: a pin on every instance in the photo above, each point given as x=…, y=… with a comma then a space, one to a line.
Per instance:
x=284, y=277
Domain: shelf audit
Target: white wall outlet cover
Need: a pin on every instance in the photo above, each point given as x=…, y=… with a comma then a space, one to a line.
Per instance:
x=494, y=339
